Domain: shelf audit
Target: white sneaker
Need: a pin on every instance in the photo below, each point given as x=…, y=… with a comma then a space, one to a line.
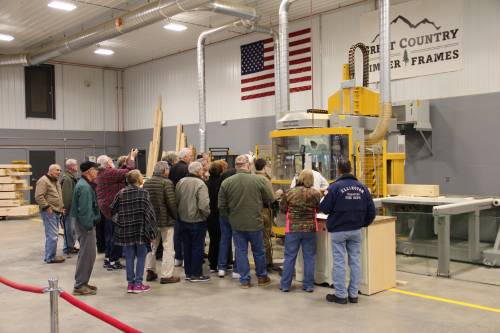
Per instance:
x=236, y=275
x=221, y=273
x=178, y=263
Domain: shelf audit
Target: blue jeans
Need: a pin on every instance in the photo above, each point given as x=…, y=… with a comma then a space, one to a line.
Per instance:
x=350, y=241
x=113, y=252
x=51, y=224
x=177, y=242
x=133, y=252
x=193, y=241
x=225, y=247
x=69, y=234
x=241, y=240
x=293, y=241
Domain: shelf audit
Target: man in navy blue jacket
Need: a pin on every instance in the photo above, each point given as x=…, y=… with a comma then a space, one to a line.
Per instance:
x=350, y=207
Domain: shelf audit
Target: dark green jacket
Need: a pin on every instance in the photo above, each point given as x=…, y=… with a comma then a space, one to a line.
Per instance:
x=241, y=199
x=162, y=196
x=84, y=207
x=68, y=183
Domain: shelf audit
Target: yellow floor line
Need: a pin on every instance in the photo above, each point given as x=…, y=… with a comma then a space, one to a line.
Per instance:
x=446, y=300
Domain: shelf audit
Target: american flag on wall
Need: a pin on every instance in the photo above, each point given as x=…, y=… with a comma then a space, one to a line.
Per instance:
x=257, y=65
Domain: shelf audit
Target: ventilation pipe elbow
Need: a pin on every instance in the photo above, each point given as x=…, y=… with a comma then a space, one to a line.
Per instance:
x=385, y=75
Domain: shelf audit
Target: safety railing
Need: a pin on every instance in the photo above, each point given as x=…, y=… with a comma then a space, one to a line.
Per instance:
x=55, y=292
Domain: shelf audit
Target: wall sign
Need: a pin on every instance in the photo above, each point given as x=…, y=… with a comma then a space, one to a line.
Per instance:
x=426, y=38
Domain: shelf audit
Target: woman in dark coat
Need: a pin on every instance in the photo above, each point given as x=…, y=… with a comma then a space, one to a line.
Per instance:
x=213, y=184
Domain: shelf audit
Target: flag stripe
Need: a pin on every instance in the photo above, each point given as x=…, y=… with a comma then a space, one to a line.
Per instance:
x=300, y=61
x=258, y=78
x=300, y=70
x=300, y=42
x=264, y=94
x=302, y=88
x=301, y=79
x=301, y=51
x=300, y=32
x=259, y=86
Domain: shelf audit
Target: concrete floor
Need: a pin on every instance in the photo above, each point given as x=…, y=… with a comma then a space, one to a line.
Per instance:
x=220, y=306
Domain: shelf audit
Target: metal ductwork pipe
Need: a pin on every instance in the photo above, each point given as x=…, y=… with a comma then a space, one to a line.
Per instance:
x=141, y=17
x=385, y=75
x=283, y=59
x=202, y=103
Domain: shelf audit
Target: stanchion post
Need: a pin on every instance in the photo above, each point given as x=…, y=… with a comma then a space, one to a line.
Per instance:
x=54, y=306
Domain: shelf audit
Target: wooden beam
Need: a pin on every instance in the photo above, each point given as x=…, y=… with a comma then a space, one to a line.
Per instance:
x=11, y=203
x=415, y=190
x=11, y=172
x=10, y=195
x=178, y=137
x=15, y=166
x=27, y=210
x=11, y=180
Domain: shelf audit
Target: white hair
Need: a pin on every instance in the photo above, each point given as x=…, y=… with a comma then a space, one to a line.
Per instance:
x=71, y=161
x=241, y=161
x=195, y=168
x=103, y=161
x=160, y=168
x=184, y=152
x=53, y=166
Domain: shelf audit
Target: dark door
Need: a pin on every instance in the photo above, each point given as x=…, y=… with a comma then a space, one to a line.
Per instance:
x=140, y=161
x=40, y=161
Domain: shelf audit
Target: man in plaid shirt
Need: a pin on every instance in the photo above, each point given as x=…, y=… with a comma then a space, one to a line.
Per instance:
x=109, y=182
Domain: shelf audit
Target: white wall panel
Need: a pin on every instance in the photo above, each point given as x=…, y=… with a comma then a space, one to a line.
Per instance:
x=333, y=34
x=86, y=99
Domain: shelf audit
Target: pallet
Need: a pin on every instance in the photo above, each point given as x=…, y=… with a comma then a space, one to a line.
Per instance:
x=413, y=190
x=11, y=203
x=12, y=172
x=27, y=210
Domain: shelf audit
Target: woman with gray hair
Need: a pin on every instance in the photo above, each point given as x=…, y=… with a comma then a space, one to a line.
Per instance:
x=170, y=157
x=162, y=196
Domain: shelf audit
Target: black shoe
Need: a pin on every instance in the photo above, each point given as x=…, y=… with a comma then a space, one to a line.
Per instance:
x=114, y=266
x=151, y=276
x=353, y=300
x=334, y=299
x=202, y=278
x=106, y=263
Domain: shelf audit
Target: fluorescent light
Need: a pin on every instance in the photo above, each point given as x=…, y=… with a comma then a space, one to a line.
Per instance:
x=6, y=38
x=104, y=51
x=62, y=5
x=175, y=27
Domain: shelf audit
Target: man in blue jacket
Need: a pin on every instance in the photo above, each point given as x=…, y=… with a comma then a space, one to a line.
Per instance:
x=350, y=207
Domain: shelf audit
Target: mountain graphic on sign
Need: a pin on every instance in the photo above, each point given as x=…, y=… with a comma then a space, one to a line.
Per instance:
x=410, y=24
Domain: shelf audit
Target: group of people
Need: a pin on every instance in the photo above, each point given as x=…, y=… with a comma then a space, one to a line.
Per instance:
x=183, y=200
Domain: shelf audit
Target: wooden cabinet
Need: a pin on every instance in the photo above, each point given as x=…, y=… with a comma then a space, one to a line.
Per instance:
x=378, y=257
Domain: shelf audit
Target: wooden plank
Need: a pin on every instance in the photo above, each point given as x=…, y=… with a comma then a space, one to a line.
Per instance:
x=11, y=180
x=156, y=141
x=11, y=172
x=150, y=158
x=178, y=137
x=415, y=190
x=27, y=210
x=14, y=187
x=15, y=166
x=183, y=140
x=9, y=195
x=11, y=203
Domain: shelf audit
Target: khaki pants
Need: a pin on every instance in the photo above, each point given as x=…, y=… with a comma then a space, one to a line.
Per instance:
x=268, y=225
x=167, y=264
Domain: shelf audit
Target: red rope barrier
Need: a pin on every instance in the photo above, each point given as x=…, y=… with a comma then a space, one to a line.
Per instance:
x=23, y=287
x=96, y=313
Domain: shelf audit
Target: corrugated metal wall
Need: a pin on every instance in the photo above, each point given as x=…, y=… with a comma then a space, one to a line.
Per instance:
x=174, y=77
x=86, y=99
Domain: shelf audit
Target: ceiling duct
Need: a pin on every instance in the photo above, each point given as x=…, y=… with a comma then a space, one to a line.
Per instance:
x=139, y=18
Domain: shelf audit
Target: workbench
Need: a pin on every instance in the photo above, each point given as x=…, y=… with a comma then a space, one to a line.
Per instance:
x=378, y=256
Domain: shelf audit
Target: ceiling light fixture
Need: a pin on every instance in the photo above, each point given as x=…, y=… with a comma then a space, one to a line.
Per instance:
x=62, y=5
x=175, y=27
x=104, y=51
x=6, y=38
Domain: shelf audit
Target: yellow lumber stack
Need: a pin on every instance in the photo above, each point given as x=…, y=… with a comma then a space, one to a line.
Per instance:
x=154, y=145
x=11, y=190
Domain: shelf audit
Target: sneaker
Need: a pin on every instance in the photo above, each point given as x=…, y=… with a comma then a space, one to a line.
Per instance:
x=202, y=278
x=56, y=260
x=245, y=285
x=187, y=278
x=141, y=288
x=235, y=275
x=114, y=266
x=285, y=290
x=264, y=281
x=221, y=273
x=334, y=299
x=172, y=279
x=74, y=250
x=353, y=299
x=106, y=263
x=308, y=290
x=130, y=288
x=83, y=291
x=177, y=263
x=151, y=276
x=91, y=287
x=213, y=270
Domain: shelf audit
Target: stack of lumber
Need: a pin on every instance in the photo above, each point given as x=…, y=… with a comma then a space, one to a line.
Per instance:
x=11, y=190
x=154, y=145
x=413, y=190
